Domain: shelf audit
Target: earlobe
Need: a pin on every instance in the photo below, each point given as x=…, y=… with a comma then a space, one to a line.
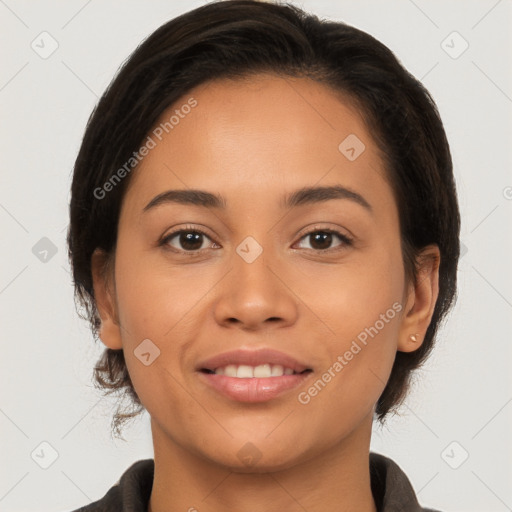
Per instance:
x=103, y=278
x=420, y=301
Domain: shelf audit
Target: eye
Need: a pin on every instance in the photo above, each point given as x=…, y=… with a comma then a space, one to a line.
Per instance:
x=187, y=240
x=321, y=240
x=191, y=240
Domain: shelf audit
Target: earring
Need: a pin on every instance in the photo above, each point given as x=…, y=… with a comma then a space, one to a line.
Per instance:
x=414, y=337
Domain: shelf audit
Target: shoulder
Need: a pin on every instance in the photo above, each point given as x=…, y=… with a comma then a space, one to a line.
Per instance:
x=131, y=492
x=391, y=488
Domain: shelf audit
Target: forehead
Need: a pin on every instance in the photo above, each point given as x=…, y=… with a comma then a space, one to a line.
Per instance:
x=262, y=132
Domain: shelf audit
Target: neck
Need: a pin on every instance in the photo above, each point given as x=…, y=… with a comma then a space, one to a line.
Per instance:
x=336, y=480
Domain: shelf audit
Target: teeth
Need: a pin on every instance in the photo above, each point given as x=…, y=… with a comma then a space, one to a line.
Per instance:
x=229, y=371
x=277, y=370
x=263, y=370
x=244, y=371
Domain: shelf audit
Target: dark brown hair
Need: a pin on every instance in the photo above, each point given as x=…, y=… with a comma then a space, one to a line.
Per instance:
x=237, y=39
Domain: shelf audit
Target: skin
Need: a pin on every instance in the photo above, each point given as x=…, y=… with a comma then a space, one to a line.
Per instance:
x=253, y=141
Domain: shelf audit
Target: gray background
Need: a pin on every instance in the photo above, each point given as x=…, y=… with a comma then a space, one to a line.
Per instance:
x=461, y=403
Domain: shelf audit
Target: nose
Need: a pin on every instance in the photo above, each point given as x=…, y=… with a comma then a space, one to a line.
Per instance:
x=256, y=296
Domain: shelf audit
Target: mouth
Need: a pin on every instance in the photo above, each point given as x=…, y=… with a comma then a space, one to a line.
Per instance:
x=262, y=371
x=253, y=376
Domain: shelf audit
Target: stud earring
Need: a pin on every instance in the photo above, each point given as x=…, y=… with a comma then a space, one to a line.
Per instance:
x=414, y=337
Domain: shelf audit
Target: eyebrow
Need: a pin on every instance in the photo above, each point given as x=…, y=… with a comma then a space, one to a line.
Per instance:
x=303, y=196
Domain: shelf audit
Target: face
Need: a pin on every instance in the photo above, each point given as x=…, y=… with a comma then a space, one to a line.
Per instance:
x=271, y=263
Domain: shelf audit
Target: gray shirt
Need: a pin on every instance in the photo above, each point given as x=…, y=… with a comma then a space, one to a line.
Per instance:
x=391, y=489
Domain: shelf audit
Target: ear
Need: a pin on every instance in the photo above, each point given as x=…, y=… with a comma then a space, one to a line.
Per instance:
x=103, y=284
x=420, y=300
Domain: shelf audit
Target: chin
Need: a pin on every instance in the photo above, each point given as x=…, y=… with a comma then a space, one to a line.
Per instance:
x=262, y=465
x=257, y=455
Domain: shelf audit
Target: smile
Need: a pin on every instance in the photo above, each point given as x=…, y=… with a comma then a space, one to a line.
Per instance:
x=244, y=371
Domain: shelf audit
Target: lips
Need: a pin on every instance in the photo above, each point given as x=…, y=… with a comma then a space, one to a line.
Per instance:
x=252, y=358
x=287, y=374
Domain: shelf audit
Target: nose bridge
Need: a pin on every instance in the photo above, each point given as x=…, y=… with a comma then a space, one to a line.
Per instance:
x=253, y=292
x=252, y=276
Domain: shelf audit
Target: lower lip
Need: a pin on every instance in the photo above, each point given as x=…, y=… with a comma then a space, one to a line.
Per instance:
x=253, y=389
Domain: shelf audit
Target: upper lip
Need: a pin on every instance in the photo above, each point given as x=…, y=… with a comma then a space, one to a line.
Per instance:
x=253, y=358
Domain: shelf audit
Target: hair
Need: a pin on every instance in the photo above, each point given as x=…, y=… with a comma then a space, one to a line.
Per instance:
x=237, y=39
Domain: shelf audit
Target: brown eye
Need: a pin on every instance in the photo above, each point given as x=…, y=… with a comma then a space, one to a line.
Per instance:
x=322, y=240
x=186, y=240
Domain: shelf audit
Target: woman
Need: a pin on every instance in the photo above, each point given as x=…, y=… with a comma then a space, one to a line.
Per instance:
x=265, y=233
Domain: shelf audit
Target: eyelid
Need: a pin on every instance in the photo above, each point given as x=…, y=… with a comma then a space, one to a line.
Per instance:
x=322, y=227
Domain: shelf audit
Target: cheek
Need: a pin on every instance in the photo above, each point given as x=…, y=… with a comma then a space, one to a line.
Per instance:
x=359, y=309
x=162, y=304
x=358, y=363
x=156, y=300
x=349, y=297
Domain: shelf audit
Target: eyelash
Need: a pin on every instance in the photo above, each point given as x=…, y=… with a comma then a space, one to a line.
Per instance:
x=346, y=241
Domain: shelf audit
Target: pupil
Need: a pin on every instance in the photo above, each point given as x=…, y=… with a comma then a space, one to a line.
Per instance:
x=322, y=240
x=191, y=241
